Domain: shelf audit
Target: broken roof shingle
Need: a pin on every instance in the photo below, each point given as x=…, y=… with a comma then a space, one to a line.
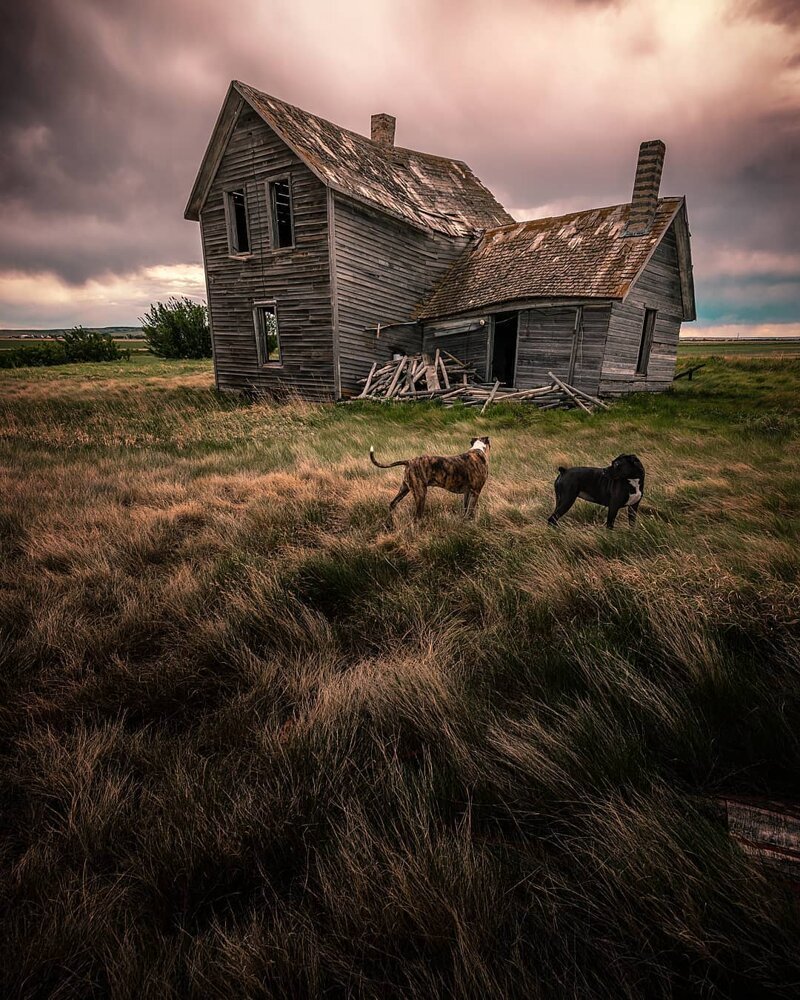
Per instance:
x=429, y=191
x=579, y=255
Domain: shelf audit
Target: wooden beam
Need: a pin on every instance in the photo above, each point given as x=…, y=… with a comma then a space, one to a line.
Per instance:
x=337, y=368
x=577, y=331
x=492, y=394
x=569, y=392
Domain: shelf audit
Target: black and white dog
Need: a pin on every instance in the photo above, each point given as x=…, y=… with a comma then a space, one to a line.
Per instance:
x=619, y=485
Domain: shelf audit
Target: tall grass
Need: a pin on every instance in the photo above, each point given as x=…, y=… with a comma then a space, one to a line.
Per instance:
x=255, y=745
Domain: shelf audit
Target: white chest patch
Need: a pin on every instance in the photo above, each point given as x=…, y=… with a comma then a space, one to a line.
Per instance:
x=636, y=493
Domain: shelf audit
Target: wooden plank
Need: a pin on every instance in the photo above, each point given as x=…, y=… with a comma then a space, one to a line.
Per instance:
x=574, y=352
x=365, y=391
x=569, y=392
x=492, y=394
x=393, y=385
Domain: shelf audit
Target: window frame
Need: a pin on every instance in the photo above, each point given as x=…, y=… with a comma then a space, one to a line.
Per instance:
x=273, y=220
x=230, y=223
x=258, y=329
x=646, y=342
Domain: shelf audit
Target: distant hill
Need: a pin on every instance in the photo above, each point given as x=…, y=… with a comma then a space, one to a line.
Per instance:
x=114, y=331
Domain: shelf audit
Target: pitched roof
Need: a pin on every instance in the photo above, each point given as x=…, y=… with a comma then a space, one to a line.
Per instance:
x=580, y=255
x=429, y=191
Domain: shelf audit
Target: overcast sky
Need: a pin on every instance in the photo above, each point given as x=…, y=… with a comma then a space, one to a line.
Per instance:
x=106, y=107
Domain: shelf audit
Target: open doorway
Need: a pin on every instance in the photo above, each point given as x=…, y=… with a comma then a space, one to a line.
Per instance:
x=504, y=348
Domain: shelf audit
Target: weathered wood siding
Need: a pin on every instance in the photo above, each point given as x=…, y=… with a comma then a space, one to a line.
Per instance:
x=298, y=279
x=659, y=287
x=383, y=269
x=467, y=340
x=544, y=344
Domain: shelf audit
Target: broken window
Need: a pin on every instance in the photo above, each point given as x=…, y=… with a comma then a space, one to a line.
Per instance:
x=282, y=227
x=267, y=339
x=646, y=343
x=236, y=212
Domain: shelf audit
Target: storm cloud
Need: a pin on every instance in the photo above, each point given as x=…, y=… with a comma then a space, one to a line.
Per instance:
x=106, y=108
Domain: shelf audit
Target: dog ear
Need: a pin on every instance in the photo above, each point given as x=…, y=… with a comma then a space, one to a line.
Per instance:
x=486, y=441
x=472, y=441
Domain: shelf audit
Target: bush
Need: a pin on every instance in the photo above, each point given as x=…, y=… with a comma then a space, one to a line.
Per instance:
x=76, y=345
x=177, y=328
x=36, y=355
x=90, y=345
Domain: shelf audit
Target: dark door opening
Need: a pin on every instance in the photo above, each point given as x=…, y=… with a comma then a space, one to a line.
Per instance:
x=504, y=348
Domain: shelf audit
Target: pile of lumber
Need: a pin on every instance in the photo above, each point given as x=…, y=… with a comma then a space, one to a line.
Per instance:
x=448, y=380
x=555, y=394
x=415, y=376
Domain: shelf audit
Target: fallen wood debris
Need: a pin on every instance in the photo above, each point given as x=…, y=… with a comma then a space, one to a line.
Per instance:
x=688, y=372
x=445, y=378
x=766, y=829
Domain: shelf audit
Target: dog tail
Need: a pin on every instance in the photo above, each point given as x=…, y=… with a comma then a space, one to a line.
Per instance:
x=561, y=470
x=391, y=465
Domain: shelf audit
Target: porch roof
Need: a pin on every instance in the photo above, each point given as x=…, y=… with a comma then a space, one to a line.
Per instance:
x=581, y=255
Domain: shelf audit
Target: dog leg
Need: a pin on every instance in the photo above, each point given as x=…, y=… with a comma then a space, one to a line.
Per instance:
x=420, y=493
x=563, y=504
x=633, y=510
x=612, y=516
x=472, y=504
x=402, y=492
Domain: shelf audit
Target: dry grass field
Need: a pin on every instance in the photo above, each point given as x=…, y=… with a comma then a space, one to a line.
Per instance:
x=254, y=745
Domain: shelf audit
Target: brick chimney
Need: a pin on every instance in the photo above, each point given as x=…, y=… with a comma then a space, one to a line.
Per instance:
x=645, y=187
x=382, y=130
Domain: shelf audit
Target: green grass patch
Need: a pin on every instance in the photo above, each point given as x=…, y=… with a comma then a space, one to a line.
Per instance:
x=256, y=744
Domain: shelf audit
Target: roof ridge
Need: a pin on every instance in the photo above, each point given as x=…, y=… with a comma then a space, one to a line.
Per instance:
x=571, y=215
x=428, y=191
x=296, y=107
x=357, y=135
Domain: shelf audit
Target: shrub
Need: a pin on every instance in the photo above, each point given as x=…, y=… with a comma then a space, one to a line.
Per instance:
x=76, y=345
x=177, y=328
x=36, y=355
x=91, y=345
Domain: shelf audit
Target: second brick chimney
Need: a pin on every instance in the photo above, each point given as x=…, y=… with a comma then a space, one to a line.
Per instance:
x=382, y=129
x=645, y=188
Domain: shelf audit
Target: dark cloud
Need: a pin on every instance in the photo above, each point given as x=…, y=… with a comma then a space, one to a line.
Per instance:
x=777, y=11
x=106, y=110
x=106, y=107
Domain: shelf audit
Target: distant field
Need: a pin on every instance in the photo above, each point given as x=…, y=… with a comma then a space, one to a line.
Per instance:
x=11, y=343
x=740, y=349
x=725, y=348
x=256, y=745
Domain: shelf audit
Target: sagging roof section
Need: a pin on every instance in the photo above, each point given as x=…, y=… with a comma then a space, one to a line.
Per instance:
x=430, y=192
x=582, y=255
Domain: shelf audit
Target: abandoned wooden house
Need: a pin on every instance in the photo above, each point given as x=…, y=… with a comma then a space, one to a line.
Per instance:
x=326, y=251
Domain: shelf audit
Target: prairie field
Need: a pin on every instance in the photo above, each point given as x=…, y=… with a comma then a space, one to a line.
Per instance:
x=254, y=744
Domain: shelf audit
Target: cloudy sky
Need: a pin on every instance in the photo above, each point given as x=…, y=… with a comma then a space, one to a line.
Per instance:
x=106, y=107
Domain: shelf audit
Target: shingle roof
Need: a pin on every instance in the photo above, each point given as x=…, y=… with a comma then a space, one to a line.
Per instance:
x=579, y=255
x=429, y=191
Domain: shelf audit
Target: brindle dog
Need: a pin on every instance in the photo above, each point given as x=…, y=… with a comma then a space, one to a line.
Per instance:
x=465, y=474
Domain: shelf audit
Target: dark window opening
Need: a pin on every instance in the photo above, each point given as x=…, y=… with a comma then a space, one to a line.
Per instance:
x=647, y=341
x=280, y=197
x=267, y=340
x=238, y=235
x=504, y=348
